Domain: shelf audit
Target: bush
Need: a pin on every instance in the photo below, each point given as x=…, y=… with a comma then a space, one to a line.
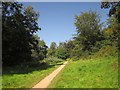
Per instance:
x=53, y=60
x=75, y=58
x=106, y=51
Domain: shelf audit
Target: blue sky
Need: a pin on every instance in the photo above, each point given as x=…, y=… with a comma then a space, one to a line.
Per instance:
x=57, y=18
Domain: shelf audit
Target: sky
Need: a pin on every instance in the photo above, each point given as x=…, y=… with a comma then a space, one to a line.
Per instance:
x=57, y=19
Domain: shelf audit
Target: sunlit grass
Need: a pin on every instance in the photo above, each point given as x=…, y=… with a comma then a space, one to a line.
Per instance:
x=98, y=73
x=25, y=80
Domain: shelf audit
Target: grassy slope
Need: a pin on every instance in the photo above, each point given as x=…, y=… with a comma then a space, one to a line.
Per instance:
x=98, y=71
x=25, y=79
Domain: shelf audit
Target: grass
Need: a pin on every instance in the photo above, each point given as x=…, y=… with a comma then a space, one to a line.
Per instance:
x=98, y=73
x=0, y=81
x=17, y=77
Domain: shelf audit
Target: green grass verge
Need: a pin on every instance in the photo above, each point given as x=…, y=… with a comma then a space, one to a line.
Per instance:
x=0, y=82
x=98, y=73
x=25, y=77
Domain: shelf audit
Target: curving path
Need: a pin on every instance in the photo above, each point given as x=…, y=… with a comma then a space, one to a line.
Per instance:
x=46, y=81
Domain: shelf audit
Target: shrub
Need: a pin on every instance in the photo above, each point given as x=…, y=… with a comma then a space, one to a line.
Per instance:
x=52, y=60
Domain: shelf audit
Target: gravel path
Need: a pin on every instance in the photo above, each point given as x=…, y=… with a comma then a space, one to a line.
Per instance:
x=47, y=80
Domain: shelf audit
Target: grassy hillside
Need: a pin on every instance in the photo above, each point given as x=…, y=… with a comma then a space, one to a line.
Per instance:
x=98, y=73
x=99, y=70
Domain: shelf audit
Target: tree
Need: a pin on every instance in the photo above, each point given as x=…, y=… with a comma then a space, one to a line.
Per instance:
x=112, y=29
x=88, y=30
x=52, y=49
x=41, y=50
x=18, y=25
x=61, y=51
x=68, y=46
x=53, y=46
x=114, y=12
x=114, y=8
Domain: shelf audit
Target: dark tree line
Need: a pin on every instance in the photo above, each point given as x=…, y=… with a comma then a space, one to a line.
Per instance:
x=18, y=28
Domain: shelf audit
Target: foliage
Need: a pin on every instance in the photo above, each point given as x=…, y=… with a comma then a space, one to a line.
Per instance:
x=18, y=25
x=114, y=12
x=106, y=51
x=112, y=30
x=53, y=45
x=88, y=29
x=41, y=51
x=61, y=51
x=114, y=8
x=69, y=46
x=52, y=49
x=76, y=51
x=53, y=61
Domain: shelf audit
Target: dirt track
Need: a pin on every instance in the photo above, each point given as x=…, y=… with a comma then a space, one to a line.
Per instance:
x=46, y=81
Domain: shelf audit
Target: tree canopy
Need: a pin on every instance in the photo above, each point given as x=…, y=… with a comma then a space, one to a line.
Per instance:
x=18, y=25
x=88, y=29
